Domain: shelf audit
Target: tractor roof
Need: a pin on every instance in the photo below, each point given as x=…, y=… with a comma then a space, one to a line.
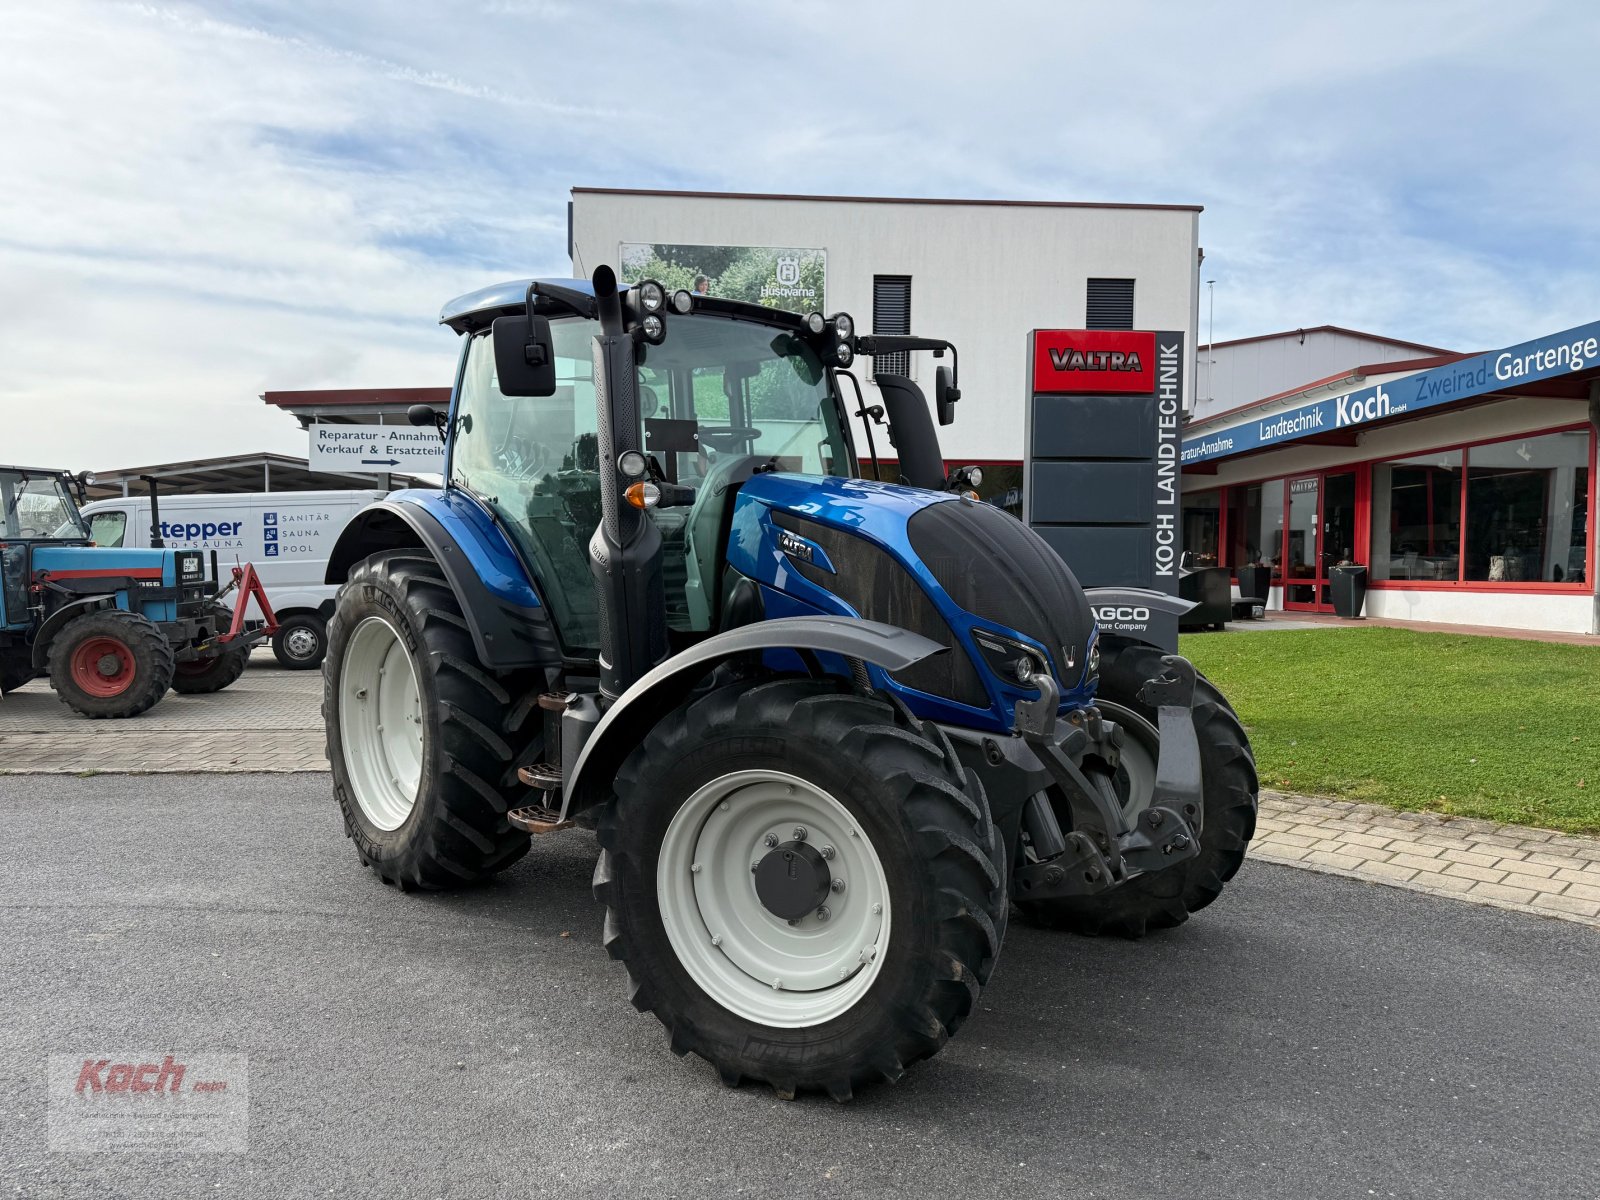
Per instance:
x=479, y=308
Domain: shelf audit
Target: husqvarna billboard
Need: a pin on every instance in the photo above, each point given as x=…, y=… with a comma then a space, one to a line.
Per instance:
x=1101, y=471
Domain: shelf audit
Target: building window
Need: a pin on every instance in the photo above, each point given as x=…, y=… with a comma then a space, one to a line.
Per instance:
x=1202, y=529
x=1416, y=517
x=1527, y=510
x=1255, y=526
x=1110, y=304
x=891, y=313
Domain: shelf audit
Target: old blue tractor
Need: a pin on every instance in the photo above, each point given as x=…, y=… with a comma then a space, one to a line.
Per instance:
x=827, y=727
x=113, y=629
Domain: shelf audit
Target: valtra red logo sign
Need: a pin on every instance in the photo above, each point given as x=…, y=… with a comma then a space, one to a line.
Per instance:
x=1094, y=360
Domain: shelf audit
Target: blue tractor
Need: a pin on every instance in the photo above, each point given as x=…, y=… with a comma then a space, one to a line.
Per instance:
x=827, y=728
x=112, y=629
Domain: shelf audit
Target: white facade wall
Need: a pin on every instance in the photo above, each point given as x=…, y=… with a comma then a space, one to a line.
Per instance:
x=1241, y=373
x=983, y=275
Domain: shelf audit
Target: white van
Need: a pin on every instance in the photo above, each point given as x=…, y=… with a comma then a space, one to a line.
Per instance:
x=287, y=535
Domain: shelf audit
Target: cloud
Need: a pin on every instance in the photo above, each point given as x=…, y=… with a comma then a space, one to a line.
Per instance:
x=202, y=203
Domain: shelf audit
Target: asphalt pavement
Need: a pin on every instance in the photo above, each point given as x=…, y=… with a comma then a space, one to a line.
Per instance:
x=1308, y=1036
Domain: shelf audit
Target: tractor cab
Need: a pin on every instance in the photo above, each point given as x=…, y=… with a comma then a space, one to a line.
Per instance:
x=36, y=506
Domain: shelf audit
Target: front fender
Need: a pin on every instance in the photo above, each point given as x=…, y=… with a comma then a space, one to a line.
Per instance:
x=53, y=623
x=663, y=688
x=510, y=626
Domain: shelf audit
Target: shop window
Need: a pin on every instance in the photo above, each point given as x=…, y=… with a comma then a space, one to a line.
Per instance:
x=1416, y=517
x=1527, y=503
x=1109, y=304
x=1255, y=526
x=1202, y=529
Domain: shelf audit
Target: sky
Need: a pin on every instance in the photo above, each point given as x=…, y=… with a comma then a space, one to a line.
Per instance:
x=202, y=202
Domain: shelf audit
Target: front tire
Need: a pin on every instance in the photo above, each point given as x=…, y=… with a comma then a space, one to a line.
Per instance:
x=1162, y=899
x=202, y=676
x=422, y=739
x=834, y=1000
x=110, y=663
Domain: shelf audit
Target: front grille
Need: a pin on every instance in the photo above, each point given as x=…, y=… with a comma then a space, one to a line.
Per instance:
x=995, y=567
x=880, y=589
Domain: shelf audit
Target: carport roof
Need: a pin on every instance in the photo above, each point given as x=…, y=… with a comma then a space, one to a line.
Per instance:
x=236, y=473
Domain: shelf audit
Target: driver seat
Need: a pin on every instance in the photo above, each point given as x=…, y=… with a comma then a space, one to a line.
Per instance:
x=706, y=532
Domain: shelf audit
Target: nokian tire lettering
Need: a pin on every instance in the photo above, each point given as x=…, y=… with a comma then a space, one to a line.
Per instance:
x=928, y=821
x=148, y=651
x=1163, y=899
x=456, y=832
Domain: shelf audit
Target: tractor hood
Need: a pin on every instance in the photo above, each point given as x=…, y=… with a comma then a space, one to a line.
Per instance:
x=959, y=571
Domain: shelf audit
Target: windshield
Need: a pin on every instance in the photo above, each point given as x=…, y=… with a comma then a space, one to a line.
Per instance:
x=716, y=398
x=36, y=504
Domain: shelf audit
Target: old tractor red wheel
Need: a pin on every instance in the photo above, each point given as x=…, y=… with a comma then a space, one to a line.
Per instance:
x=110, y=663
x=103, y=666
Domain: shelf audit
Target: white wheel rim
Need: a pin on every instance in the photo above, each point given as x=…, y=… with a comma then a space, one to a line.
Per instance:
x=1139, y=750
x=380, y=723
x=746, y=958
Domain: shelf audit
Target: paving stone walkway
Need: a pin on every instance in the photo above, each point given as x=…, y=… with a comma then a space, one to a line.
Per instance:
x=1480, y=862
x=270, y=720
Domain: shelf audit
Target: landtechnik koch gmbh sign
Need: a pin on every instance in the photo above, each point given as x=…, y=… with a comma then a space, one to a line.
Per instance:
x=1543, y=358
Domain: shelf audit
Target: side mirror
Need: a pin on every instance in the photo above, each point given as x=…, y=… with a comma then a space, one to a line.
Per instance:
x=524, y=356
x=945, y=395
x=426, y=416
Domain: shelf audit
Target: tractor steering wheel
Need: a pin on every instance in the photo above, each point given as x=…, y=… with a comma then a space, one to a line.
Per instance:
x=728, y=439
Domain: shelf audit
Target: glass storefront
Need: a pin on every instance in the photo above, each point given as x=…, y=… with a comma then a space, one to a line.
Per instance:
x=1514, y=511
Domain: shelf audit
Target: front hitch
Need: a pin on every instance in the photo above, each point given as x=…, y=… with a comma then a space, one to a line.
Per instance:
x=1104, y=847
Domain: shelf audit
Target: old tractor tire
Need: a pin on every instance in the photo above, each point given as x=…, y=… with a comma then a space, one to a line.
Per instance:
x=202, y=676
x=1163, y=899
x=422, y=738
x=110, y=663
x=301, y=642
x=881, y=825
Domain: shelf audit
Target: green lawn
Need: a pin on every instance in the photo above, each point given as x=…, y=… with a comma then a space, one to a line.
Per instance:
x=1475, y=726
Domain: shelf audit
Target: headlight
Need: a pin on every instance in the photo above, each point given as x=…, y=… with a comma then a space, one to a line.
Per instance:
x=844, y=354
x=682, y=302
x=651, y=296
x=816, y=322
x=654, y=328
x=632, y=464
x=843, y=325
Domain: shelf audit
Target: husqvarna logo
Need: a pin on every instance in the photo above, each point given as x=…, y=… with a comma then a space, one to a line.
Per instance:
x=788, y=270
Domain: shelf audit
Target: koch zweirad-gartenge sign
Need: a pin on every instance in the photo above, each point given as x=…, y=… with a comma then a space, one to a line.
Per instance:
x=1544, y=358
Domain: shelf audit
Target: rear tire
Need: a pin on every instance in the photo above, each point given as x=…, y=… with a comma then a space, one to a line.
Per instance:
x=301, y=642
x=1163, y=899
x=422, y=738
x=110, y=663
x=202, y=676
x=911, y=826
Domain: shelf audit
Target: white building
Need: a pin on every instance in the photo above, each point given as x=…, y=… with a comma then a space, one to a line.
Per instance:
x=980, y=273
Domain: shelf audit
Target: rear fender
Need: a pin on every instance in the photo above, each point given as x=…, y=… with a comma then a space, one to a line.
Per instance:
x=510, y=626
x=663, y=688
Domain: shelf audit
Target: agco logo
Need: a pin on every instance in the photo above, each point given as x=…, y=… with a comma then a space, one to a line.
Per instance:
x=1122, y=614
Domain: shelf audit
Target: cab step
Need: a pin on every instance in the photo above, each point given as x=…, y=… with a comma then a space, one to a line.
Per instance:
x=536, y=820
